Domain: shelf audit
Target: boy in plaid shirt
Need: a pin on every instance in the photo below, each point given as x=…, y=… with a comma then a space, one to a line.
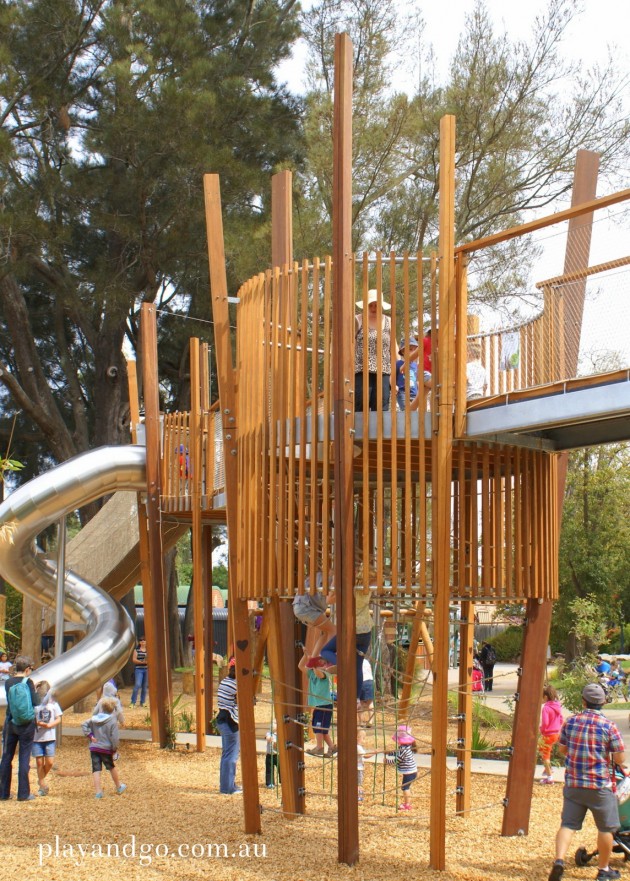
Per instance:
x=589, y=741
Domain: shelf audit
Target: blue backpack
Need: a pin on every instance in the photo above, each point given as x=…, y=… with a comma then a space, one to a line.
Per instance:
x=20, y=702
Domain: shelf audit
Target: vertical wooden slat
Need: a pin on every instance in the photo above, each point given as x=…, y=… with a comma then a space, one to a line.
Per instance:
x=292, y=412
x=227, y=392
x=380, y=494
x=474, y=523
x=208, y=632
x=509, y=520
x=441, y=513
x=461, y=355
x=499, y=530
x=282, y=624
x=348, y=816
x=486, y=521
x=197, y=553
x=315, y=372
x=328, y=409
x=465, y=706
x=408, y=538
x=518, y=523
x=274, y=418
x=366, y=539
x=143, y=533
x=155, y=620
x=393, y=516
x=302, y=393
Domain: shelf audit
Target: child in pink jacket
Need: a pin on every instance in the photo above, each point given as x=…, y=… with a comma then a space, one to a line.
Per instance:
x=550, y=725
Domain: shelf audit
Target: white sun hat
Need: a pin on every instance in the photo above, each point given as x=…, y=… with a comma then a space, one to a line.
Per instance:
x=373, y=297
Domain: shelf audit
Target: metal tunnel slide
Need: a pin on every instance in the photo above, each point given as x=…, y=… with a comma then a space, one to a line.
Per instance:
x=33, y=507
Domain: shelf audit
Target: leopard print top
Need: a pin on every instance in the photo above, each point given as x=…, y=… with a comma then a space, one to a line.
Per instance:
x=372, y=361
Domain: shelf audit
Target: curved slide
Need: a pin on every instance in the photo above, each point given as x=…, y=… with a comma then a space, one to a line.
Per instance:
x=29, y=510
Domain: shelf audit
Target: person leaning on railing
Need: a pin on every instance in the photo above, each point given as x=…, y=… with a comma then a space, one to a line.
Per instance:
x=373, y=297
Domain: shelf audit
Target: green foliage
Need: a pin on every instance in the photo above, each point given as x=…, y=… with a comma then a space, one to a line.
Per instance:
x=220, y=577
x=613, y=644
x=594, y=548
x=13, y=639
x=483, y=715
x=8, y=465
x=479, y=742
x=176, y=720
x=572, y=678
x=588, y=623
x=186, y=721
x=508, y=644
x=112, y=124
x=518, y=129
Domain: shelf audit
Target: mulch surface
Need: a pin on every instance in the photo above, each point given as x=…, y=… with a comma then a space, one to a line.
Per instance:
x=173, y=823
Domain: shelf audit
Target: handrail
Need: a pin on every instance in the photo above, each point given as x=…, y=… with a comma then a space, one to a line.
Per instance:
x=542, y=222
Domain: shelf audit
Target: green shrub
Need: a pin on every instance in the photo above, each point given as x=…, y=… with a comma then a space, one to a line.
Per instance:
x=572, y=679
x=483, y=715
x=508, y=644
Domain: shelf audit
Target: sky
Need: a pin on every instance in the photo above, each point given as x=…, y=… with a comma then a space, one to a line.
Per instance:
x=600, y=25
x=597, y=29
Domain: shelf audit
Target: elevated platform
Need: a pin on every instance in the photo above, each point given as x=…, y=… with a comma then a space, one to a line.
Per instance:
x=560, y=416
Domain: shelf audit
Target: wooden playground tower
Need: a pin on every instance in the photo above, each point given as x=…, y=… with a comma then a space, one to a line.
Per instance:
x=433, y=517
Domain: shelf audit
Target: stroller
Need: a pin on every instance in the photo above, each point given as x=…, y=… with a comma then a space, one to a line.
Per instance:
x=621, y=838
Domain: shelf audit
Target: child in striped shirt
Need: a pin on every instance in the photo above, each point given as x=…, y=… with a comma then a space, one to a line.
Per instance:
x=405, y=762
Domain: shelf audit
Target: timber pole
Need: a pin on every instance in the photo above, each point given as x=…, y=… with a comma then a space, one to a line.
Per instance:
x=208, y=630
x=238, y=612
x=281, y=622
x=441, y=476
x=520, y=781
x=196, y=462
x=155, y=607
x=343, y=414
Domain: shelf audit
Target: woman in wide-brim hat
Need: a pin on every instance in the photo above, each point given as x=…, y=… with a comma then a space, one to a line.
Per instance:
x=378, y=357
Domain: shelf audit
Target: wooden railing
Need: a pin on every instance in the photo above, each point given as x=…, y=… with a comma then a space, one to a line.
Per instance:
x=177, y=470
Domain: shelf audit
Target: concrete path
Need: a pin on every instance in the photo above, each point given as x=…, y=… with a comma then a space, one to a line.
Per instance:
x=501, y=698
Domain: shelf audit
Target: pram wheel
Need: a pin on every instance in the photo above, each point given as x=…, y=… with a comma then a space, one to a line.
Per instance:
x=582, y=857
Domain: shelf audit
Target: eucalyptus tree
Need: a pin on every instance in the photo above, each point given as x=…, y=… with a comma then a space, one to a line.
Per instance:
x=522, y=112
x=110, y=113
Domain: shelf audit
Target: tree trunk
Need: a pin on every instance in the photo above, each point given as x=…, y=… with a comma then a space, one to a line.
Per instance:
x=571, y=651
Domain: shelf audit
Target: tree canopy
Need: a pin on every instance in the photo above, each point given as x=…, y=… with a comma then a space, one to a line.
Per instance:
x=106, y=128
x=522, y=113
x=595, y=538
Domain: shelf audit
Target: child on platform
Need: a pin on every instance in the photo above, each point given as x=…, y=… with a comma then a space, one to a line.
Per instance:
x=102, y=732
x=405, y=761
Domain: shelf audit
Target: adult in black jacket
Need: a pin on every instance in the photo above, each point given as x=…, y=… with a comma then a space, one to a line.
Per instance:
x=488, y=658
x=15, y=735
